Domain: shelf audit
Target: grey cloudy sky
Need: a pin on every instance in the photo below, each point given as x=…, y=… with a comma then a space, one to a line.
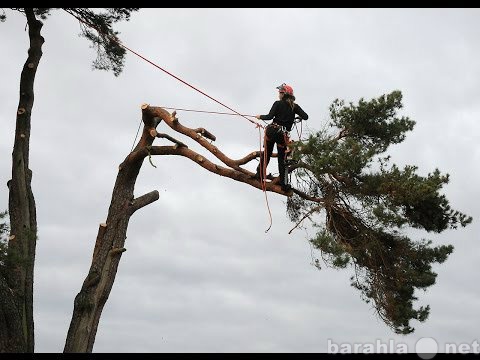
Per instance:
x=200, y=274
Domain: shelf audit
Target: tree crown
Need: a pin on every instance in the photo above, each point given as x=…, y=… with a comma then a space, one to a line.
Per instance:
x=368, y=204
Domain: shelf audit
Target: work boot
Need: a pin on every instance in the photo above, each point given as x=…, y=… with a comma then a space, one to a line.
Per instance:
x=258, y=174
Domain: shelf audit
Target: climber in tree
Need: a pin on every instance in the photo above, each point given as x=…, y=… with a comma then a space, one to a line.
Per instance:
x=283, y=114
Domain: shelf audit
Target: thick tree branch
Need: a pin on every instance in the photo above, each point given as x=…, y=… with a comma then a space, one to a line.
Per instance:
x=168, y=137
x=208, y=165
x=175, y=125
x=144, y=200
x=235, y=172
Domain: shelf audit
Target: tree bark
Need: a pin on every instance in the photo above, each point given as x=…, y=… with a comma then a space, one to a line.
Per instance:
x=109, y=246
x=11, y=335
x=16, y=287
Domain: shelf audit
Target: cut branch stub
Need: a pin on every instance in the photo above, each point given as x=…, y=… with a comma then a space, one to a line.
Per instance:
x=117, y=251
x=101, y=232
x=21, y=111
x=144, y=200
x=205, y=133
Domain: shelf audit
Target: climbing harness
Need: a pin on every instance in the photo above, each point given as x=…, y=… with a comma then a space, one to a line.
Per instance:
x=289, y=149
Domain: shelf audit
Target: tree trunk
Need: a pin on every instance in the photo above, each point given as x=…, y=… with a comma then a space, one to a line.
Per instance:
x=16, y=287
x=109, y=246
x=11, y=335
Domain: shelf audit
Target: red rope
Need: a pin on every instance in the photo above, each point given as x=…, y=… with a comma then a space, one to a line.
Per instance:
x=159, y=67
x=203, y=111
x=186, y=83
x=258, y=125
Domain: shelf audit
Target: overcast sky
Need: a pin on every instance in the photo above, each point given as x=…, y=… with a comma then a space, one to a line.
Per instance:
x=200, y=274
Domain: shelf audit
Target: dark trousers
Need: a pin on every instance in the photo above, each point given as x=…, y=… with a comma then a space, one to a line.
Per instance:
x=274, y=135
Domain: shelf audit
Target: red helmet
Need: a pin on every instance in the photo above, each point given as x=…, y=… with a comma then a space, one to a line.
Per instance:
x=285, y=89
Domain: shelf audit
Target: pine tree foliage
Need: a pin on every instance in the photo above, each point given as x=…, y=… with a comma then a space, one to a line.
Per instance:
x=96, y=26
x=367, y=204
x=110, y=55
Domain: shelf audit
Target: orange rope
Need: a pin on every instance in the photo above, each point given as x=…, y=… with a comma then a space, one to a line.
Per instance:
x=157, y=66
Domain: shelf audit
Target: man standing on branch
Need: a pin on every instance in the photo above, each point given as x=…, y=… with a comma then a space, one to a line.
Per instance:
x=283, y=113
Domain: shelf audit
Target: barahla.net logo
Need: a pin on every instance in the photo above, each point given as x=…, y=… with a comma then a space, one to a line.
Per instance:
x=426, y=348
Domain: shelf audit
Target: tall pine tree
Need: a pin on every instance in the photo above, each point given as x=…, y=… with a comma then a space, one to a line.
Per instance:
x=362, y=205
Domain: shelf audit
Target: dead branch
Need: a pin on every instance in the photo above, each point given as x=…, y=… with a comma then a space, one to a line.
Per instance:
x=307, y=215
x=200, y=135
x=205, y=133
x=174, y=124
x=210, y=166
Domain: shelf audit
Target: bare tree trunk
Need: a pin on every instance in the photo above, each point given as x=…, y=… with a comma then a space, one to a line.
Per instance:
x=16, y=288
x=109, y=246
x=110, y=242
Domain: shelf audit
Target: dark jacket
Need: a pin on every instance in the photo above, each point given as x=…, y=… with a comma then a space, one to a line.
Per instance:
x=282, y=114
